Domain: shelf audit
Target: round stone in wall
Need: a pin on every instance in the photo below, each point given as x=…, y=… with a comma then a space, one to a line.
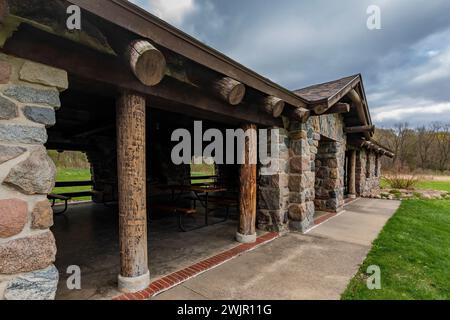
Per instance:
x=40, y=115
x=13, y=217
x=36, y=285
x=42, y=215
x=5, y=72
x=35, y=175
x=8, y=153
x=8, y=109
x=27, y=254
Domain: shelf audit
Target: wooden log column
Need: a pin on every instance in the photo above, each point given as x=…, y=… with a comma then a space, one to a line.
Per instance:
x=134, y=273
x=352, y=175
x=247, y=195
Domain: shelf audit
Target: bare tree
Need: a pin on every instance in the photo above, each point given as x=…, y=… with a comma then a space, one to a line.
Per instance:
x=442, y=136
x=424, y=144
x=401, y=132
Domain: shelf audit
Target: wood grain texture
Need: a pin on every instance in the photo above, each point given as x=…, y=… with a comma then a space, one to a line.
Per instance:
x=147, y=63
x=273, y=106
x=360, y=129
x=247, y=198
x=132, y=184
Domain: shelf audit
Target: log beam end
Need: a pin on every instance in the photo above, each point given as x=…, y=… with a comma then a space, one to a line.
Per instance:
x=147, y=63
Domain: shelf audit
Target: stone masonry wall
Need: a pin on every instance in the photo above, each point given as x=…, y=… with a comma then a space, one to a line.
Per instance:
x=287, y=197
x=273, y=187
x=29, y=96
x=368, y=174
x=329, y=182
x=303, y=149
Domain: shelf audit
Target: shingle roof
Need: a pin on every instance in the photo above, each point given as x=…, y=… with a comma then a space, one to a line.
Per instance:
x=324, y=91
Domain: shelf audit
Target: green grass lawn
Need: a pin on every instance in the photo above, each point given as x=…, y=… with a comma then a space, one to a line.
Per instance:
x=434, y=185
x=413, y=252
x=425, y=184
x=73, y=175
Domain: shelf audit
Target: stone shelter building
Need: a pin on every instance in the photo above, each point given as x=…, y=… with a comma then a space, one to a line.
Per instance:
x=116, y=90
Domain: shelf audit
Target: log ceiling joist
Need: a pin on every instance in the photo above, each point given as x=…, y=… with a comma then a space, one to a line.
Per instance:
x=30, y=43
x=338, y=108
x=359, y=129
x=138, y=21
x=321, y=107
x=369, y=145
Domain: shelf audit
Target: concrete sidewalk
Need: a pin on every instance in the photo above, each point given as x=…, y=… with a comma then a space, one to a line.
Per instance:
x=318, y=265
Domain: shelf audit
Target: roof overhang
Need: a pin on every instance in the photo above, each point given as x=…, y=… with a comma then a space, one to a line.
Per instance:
x=138, y=21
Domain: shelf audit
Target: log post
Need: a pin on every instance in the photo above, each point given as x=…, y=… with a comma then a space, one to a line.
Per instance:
x=247, y=195
x=352, y=175
x=134, y=274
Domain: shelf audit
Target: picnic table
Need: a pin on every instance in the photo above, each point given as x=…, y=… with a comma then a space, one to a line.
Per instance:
x=67, y=196
x=201, y=194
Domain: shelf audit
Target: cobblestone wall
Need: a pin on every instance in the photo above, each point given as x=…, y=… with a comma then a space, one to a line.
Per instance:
x=288, y=198
x=29, y=96
x=273, y=187
x=368, y=174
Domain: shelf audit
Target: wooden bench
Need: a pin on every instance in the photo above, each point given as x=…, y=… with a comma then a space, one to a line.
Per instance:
x=67, y=196
x=179, y=212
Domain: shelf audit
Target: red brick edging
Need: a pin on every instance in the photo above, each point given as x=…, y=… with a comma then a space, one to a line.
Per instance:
x=324, y=218
x=183, y=275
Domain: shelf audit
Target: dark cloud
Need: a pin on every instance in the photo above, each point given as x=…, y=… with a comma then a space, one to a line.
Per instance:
x=405, y=65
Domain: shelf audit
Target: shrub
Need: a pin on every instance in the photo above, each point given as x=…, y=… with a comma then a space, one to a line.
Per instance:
x=401, y=182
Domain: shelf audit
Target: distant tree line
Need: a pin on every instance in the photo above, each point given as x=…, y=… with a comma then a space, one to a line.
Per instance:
x=69, y=159
x=423, y=148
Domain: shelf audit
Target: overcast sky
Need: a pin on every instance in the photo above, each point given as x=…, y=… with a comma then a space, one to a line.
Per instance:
x=296, y=43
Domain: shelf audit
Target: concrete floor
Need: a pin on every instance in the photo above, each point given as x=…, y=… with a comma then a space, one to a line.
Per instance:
x=318, y=265
x=87, y=236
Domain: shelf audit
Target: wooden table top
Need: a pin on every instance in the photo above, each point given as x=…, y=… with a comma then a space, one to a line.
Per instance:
x=199, y=189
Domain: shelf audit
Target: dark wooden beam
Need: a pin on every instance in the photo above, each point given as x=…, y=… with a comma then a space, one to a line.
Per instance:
x=225, y=88
x=4, y=10
x=273, y=106
x=136, y=20
x=298, y=114
x=360, y=129
x=90, y=132
x=321, y=108
x=147, y=63
x=85, y=63
x=338, y=108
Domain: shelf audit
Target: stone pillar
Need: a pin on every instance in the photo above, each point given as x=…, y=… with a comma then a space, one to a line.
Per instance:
x=247, y=188
x=330, y=174
x=103, y=162
x=303, y=150
x=29, y=95
x=131, y=164
x=352, y=175
x=273, y=186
